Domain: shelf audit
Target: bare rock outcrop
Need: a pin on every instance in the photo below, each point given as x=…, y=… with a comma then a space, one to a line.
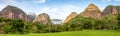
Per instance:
x=111, y=10
x=12, y=12
x=72, y=15
x=91, y=11
x=42, y=18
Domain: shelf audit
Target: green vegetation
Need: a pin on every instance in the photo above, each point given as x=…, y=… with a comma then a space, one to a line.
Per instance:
x=73, y=33
x=13, y=26
x=109, y=22
x=16, y=26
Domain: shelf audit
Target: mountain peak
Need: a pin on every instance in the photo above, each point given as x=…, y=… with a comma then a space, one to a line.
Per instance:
x=9, y=6
x=12, y=8
x=44, y=14
x=72, y=15
x=111, y=9
x=92, y=7
x=14, y=12
x=91, y=11
x=42, y=18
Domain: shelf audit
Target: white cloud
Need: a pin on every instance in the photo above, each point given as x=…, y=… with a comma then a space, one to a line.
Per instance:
x=42, y=1
x=68, y=9
x=116, y=0
x=17, y=3
x=2, y=6
x=60, y=12
x=106, y=0
x=39, y=1
x=48, y=9
x=10, y=2
x=110, y=0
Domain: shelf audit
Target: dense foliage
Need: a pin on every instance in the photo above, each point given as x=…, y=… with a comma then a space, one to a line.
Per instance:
x=109, y=22
x=12, y=26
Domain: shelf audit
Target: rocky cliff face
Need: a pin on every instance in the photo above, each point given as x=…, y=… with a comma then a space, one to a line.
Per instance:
x=91, y=11
x=42, y=18
x=72, y=15
x=111, y=10
x=13, y=13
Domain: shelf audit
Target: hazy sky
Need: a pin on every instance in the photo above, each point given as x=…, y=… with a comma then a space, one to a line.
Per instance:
x=58, y=9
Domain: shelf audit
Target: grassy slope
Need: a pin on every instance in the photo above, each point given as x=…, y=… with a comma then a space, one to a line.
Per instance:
x=75, y=33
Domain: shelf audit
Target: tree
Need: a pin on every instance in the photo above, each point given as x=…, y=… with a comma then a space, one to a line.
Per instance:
x=118, y=18
x=110, y=22
x=14, y=26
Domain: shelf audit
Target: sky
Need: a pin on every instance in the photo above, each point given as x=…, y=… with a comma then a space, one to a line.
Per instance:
x=56, y=9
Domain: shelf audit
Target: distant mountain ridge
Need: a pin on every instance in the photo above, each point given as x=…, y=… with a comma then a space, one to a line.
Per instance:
x=32, y=16
x=94, y=12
